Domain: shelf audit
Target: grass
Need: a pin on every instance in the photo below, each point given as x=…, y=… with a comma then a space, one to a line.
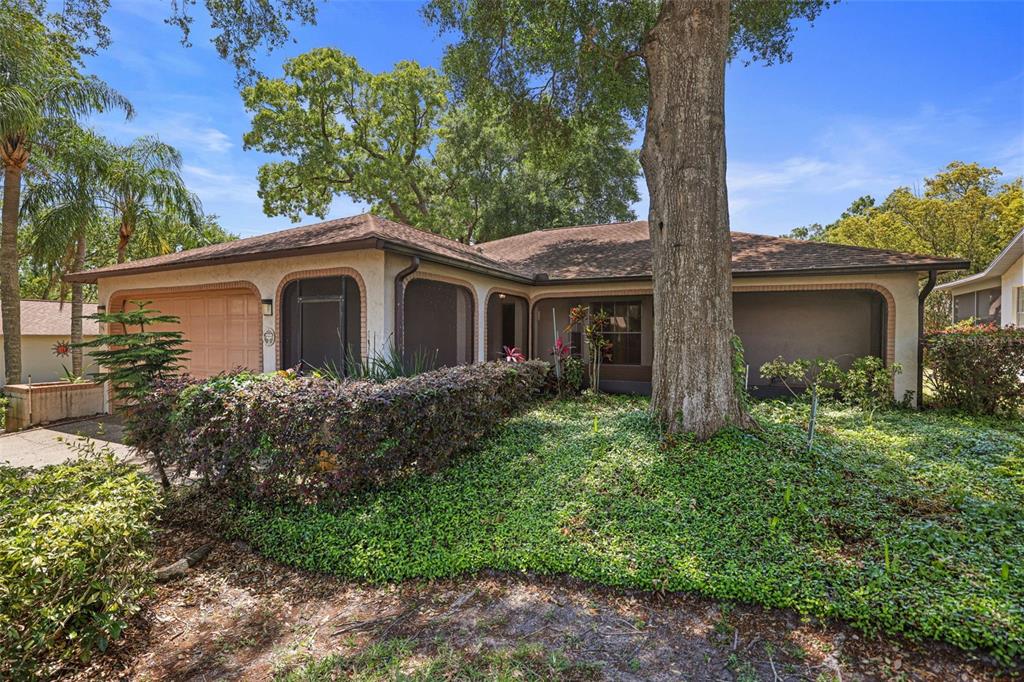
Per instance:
x=397, y=659
x=907, y=523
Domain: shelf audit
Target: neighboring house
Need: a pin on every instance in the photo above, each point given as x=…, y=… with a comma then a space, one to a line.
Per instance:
x=323, y=293
x=44, y=324
x=996, y=294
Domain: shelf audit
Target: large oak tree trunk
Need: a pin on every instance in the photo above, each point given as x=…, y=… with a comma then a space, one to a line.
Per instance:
x=683, y=158
x=10, y=293
x=77, y=297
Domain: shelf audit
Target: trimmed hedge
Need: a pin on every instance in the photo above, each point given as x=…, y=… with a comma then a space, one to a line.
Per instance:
x=74, y=560
x=978, y=368
x=306, y=438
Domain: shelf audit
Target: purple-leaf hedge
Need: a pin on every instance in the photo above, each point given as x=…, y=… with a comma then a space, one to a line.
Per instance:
x=308, y=438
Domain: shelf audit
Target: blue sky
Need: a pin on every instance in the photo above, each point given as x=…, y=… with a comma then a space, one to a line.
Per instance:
x=878, y=95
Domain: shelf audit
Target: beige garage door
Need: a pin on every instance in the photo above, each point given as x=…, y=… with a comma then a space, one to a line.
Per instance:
x=222, y=326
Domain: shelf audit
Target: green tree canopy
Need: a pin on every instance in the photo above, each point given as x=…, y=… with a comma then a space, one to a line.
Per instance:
x=964, y=211
x=399, y=141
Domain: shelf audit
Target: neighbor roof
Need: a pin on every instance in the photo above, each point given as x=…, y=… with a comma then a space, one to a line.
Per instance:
x=595, y=252
x=50, y=318
x=995, y=270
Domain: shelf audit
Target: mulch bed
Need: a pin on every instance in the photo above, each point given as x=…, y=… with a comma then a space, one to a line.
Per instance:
x=238, y=616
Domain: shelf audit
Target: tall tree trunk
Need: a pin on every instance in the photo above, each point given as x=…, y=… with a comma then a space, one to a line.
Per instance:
x=10, y=293
x=683, y=157
x=124, y=235
x=77, y=297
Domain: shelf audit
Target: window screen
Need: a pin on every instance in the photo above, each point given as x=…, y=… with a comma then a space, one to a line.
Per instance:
x=320, y=323
x=623, y=330
x=963, y=307
x=989, y=305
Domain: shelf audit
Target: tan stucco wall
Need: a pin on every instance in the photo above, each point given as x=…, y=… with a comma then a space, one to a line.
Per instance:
x=267, y=276
x=377, y=270
x=39, y=362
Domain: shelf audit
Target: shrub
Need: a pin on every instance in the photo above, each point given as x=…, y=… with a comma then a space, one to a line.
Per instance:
x=133, y=357
x=306, y=437
x=868, y=384
x=73, y=559
x=3, y=411
x=977, y=368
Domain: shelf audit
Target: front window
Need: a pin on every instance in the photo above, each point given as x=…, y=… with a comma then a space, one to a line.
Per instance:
x=983, y=306
x=623, y=330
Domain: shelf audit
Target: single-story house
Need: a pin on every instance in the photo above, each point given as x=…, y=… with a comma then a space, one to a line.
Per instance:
x=45, y=325
x=996, y=294
x=322, y=293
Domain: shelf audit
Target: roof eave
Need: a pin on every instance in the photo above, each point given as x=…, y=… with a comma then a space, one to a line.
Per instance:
x=430, y=256
x=91, y=276
x=943, y=266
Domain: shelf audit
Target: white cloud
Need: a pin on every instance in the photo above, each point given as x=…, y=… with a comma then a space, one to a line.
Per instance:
x=188, y=132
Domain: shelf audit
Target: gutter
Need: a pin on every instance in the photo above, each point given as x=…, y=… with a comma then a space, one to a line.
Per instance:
x=400, y=303
x=921, y=298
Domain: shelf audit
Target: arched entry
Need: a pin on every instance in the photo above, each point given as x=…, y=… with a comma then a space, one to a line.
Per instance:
x=508, y=320
x=320, y=323
x=438, y=323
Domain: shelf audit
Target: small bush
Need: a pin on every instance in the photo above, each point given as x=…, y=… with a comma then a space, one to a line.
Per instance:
x=3, y=411
x=308, y=437
x=73, y=559
x=868, y=384
x=978, y=368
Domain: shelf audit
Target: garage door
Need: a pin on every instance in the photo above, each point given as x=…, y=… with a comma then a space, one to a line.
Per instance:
x=222, y=327
x=842, y=325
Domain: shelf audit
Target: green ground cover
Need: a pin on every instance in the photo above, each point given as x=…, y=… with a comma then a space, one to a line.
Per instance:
x=904, y=522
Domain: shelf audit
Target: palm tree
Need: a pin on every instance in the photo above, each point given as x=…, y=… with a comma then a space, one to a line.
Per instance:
x=63, y=209
x=40, y=88
x=145, y=192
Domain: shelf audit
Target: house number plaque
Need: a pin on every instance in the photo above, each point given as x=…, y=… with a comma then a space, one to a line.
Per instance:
x=268, y=337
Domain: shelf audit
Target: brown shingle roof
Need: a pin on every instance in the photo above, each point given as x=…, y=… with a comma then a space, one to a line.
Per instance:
x=623, y=250
x=611, y=251
x=49, y=318
x=361, y=231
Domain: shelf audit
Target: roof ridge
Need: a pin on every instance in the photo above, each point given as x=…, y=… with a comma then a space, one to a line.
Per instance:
x=563, y=228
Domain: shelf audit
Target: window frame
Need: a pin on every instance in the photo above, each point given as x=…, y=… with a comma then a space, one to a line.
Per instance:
x=1020, y=306
x=609, y=307
x=974, y=300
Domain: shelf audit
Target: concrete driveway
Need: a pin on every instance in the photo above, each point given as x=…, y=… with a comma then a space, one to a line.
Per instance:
x=52, y=444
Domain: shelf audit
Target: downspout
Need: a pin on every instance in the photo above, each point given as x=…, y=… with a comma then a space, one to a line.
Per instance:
x=929, y=285
x=400, y=303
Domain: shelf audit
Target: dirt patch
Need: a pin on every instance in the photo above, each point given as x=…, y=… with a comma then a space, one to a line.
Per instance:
x=238, y=616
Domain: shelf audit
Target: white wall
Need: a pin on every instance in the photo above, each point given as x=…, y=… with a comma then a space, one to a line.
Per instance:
x=1012, y=281
x=39, y=362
